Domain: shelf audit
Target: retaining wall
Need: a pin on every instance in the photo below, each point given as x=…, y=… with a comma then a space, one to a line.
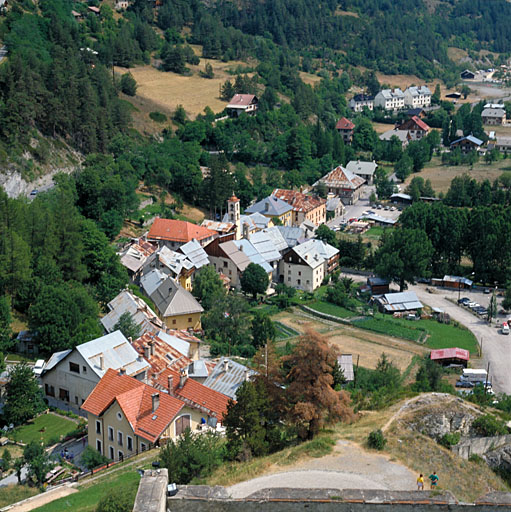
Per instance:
x=479, y=445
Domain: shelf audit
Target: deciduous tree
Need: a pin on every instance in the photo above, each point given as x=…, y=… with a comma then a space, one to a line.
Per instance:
x=254, y=280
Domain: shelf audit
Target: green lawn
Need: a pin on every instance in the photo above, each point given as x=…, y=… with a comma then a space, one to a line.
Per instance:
x=89, y=495
x=375, y=232
x=14, y=493
x=43, y=428
x=391, y=327
x=331, y=309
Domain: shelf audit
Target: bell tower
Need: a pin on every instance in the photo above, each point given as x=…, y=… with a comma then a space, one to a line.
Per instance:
x=233, y=211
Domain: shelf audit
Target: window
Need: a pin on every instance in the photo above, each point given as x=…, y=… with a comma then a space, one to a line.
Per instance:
x=299, y=273
x=73, y=367
x=98, y=446
x=98, y=427
x=189, y=319
x=119, y=438
x=64, y=394
x=289, y=272
x=76, y=400
x=110, y=434
x=174, y=322
x=299, y=281
x=288, y=279
x=129, y=442
x=84, y=369
x=49, y=390
x=225, y=264
x=182, y=423
x=121, y=456
x=112, y=452
x=142, y=447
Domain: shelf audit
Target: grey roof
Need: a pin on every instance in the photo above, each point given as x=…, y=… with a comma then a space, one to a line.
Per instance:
x=377, y=281
x=174, y=261
x=175, y=342
x=402, y=301
x=195, y=253
x=239, y=258
x=493, y=112
x=402, y=135
x=406, y=197
x=503, y=141
x=458, y=279
x=259, y=220
x=389, y=93
x=292, y=235
x=315, y=252
x=228, y=382
x=378, y=218
x=417, y=91
x=126, y=302
x=333, y=203
x=117, y=353
x=198, y=369
x=270, y=205
x=264, y=245
x=253, y=254
x=55, y=359
x=358, y=167
x=276, y=237
x=345, y=362
x=470, y=138
x=495, y=105
x=169, y=297
x=362, y=98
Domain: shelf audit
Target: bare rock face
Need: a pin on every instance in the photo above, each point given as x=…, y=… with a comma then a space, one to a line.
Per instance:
x=437, y=414
x=499, y=458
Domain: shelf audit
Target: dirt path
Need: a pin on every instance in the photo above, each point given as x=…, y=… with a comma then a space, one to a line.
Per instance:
x=43, y=499
x=349, y=467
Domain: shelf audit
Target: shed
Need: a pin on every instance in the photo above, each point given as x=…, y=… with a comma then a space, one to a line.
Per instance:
x=379, y=285
x=449, y=356
x=402, y=301
x=345, y=362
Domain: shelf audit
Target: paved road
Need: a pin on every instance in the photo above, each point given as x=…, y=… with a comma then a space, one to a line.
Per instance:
x=12, y=479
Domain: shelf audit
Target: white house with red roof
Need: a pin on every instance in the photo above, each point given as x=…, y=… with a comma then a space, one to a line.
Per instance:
x=344, y=184
x=175, y=233
x=242, y=104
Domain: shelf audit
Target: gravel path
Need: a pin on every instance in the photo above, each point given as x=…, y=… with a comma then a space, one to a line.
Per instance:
x=350, y=467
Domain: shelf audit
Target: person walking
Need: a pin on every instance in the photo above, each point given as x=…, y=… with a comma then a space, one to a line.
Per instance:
x=434, y=479
x=420, y=482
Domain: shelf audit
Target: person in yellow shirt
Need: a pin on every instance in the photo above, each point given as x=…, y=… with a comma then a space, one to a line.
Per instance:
x=420, y=482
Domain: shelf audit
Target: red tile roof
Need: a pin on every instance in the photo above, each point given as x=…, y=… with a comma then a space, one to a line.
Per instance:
x=195, y=394
x=300, y=202
x=344, y=124
x=450, y=353
x=414, y=120
x=241, y=100
x=135, y=399
x=178, y=231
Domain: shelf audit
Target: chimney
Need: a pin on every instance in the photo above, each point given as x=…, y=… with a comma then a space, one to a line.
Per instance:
x=171, y=385
x=155, y=398
x=122, y=371
x=247, y=375
x=266, y=206
x=101, y=362
x=146, y=352
x=226, y=365
x=183, y=378
x=151, y=345
x=130, y=339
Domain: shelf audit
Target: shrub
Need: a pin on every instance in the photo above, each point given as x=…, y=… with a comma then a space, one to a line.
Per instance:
x=158, y=117
x=376, y=440
x=450, y=439
x=476, y=458
x=91, y=458
x=128, y=84
x=489, y=425
x=115, y=501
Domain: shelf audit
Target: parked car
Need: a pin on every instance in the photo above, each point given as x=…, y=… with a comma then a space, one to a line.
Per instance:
x=34, y=192
x=464, y=384
x=463, y=301
x=474, y=305
x=379, y=207
x=504, y=328
x=392, y=208
x=486, y=291
x=387, y=207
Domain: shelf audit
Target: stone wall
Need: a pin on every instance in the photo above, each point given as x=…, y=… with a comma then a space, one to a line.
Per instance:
x=152, y=491
x=479, y=445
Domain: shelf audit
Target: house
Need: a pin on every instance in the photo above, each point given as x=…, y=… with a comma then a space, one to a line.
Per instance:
x=305, y=207
x=378, y=285
x=361, y=101
x=334, y=208
x=180, y=342
x=94, y=10
x=455, y=282
x=242, y=104
x=418, y=96
x=467, y=75
x=503, y=144
x=493, y=116
x=127, y=417
x=495, y=105
x=175, y=233
x=399, y=302
x=415, y=127
x=305, y=265
x=292, y=235
x=121, y=5
x=390, y=99
x=344, y=184
x=264, y=244
x=345, y=128
x=77, y=15
x=273, y=208
x=467, y=144
x=248, y=248
x=345, y=363
x=195, y=253
x=222, y=228
x=451, y=356
x=402, y=135
x=177, y=307
x=227, y=377
x=26, y=343
x=363, y=169
x=125, y=302
x=135, y=255
x=70, y=376
x=228, y=259
x=401, y=198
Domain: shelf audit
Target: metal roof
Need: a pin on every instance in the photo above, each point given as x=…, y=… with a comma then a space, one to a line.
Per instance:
x=450, y=353
x=227, y=377
x=126, y=302
x=173, y=260
x=55, y=359
x=264, y=245
x=345, y=362
x=402, y=301
x=116, y=352
x=293, y=235
x=402, y=135
x=458, y=279
x=378, y=218
x=195, y=253
x=259, y=220
x=198, y=369
x=175, y=342
x=239, y=258
x=417, y=91
x=401, y=196
x=470, y=138
x=315, y=252
x=253, y=254
x=333, y=204
x=358, y=167
x=493, y=112
x=276, y=237
x=271, y=206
